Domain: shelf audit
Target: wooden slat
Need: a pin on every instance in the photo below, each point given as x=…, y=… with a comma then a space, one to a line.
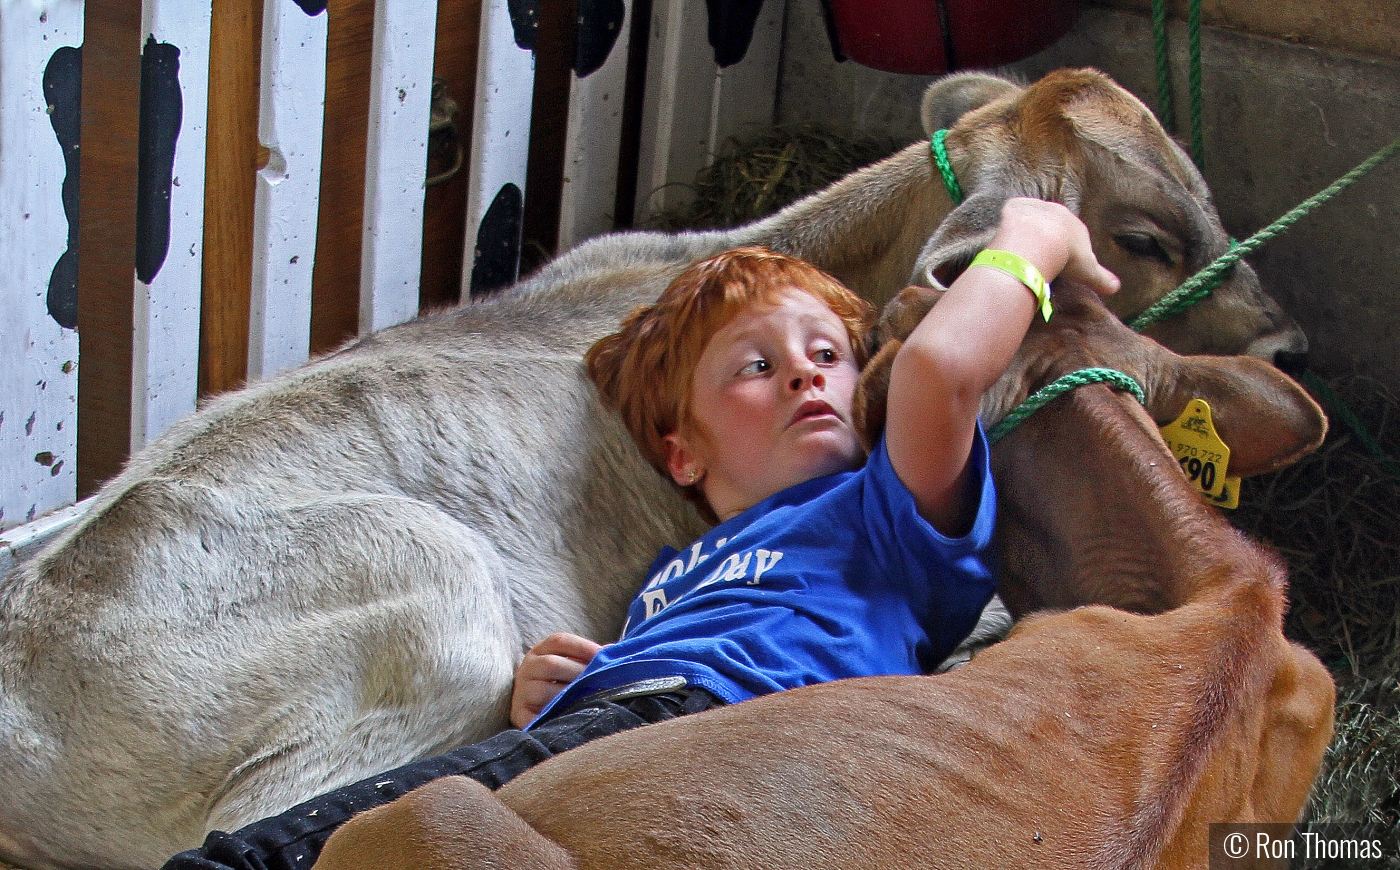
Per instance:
x=166, y=343
x=401, y=85
x=629, y=149
x=286, y=193
x=746, y=94
x=445, y=205
x=500, y=129
x=22, y=543
x=335, y=292
x=549, y=121
x=594, y=137
x=38, y=355
x=111, y=100
x=235, y=38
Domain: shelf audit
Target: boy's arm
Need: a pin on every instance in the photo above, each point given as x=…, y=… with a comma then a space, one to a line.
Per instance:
x=963, y=345
x=547, y=668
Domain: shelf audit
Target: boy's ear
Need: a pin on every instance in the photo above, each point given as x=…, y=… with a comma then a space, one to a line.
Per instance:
x=681, y=462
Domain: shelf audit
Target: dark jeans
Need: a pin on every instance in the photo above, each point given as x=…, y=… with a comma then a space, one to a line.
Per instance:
x=293, y=840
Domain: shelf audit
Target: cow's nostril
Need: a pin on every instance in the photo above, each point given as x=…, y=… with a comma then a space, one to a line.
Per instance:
x=1291, y=363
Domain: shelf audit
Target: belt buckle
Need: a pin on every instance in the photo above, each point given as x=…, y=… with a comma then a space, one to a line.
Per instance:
x=653, y=686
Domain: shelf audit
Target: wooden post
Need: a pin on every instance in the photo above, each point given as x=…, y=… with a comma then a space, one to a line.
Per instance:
x=106, y=306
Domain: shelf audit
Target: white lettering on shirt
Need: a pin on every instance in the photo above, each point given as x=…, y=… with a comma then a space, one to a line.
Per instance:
x=766, y=559
x=653, y=602
x=733, y=569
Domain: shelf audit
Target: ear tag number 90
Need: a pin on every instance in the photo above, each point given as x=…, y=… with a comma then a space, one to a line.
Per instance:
x=1204, y=457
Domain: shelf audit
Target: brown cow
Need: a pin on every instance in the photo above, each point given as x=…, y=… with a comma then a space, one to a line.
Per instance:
x=1095, y=737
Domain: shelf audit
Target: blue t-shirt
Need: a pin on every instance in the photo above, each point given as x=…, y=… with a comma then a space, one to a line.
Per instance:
x=836, y=577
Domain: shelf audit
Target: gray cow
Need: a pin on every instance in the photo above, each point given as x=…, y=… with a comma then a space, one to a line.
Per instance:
x=330, y=573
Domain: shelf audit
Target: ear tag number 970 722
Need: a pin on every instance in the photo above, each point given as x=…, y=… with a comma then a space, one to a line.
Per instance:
x=1204, y=457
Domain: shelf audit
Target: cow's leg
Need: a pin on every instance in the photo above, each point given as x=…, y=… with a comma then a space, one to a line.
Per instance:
x=294, y=839
x=394, y=638
x=285, y=650
x=454, y=823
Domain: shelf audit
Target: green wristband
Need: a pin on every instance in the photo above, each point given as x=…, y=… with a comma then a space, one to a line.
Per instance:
x=1022, y=270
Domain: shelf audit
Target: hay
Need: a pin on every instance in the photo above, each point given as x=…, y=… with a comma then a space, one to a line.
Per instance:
x=1335, y=517
x=754, y=177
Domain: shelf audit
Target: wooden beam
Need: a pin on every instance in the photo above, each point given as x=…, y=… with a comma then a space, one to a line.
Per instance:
x=445, y=204
x=335, y=288
x=110, y=121
x=235, y=42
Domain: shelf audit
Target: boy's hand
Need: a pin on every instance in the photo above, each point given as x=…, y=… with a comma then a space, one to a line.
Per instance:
x=1054, y=238
x=547, y=668
x=961, y=347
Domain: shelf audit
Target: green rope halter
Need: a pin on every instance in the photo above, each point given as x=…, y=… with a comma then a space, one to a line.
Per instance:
x=1059, y=387
x=1198, y=286
x=945, y=167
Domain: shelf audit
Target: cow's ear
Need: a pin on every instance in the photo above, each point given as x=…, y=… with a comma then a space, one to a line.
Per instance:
x=951, y=97
x=965, y=231
x=1267, y=420
x=872, y=392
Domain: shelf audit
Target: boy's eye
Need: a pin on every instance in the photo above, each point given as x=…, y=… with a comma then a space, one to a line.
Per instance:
x=757, y=367
x=826, y=356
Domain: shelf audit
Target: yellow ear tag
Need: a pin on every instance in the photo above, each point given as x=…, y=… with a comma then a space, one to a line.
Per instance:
x=1203, y=456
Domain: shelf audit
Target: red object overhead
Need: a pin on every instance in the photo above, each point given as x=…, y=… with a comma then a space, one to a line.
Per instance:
x=907, y=36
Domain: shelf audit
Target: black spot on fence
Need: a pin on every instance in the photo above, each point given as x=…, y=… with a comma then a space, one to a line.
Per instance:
x=311, y=7
x=731, y=28
x=496, y=263
x=161, y=111
x=63, y=91
x=525, y=21
x=599, y=23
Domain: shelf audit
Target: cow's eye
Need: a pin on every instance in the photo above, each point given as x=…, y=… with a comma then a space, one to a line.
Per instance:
x=1143, y=245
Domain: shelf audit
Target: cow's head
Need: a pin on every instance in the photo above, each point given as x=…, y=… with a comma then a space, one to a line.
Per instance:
x=1078, y=138
x=1096, y=494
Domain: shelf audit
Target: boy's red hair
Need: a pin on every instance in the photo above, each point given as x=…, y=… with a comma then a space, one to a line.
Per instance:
x=644, y=369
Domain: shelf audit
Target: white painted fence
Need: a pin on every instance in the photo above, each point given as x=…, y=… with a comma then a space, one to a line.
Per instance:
x=38, y=355
x=690, y=106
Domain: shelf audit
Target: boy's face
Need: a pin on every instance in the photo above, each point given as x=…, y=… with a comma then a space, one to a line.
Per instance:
x=771, y=395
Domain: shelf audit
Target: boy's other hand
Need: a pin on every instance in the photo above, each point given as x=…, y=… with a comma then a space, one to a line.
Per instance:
x=547, y=668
